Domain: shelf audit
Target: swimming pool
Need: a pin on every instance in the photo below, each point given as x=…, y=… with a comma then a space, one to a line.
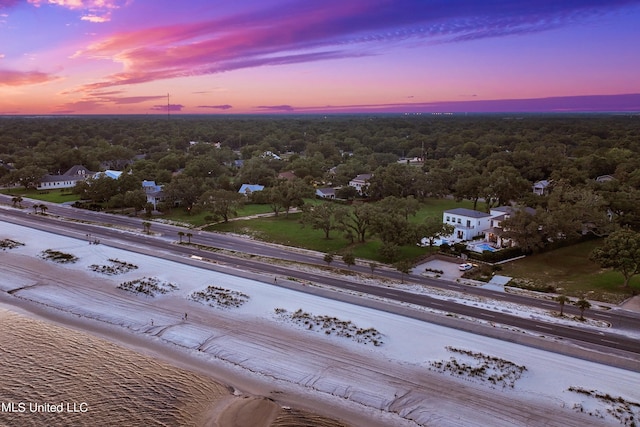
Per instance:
x=485, y=247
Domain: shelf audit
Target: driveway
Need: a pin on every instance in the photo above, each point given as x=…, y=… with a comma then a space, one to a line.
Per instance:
x=449, y=269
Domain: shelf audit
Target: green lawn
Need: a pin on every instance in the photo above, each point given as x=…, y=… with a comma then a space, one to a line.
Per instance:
x=54, y=196
x=253, y=209
x=197, y=219
x=570, y=271
x=287, y=230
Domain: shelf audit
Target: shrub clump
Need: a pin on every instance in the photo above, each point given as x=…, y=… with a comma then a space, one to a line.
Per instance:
x=220, y=297
x=530, y=286
x=625, y=411
x=487, y=368
x=482, y=273
x=116, y=267
x=57, y=256
x=9, y=244
x=150, y=286
x=332, y=325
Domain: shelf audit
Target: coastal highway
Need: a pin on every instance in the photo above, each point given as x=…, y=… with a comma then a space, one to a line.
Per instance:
x=168, y=232
x=115, y=228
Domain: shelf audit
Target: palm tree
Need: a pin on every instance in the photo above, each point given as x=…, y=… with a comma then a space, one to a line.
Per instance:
x=17, y=200
x=562, y=299
x=582, y=304
x=180, y=234
x=189, y=236
x=35, y=208
x=328, y=258
x=373, y=266
x=147, y=226
x=43, y=208
x=349, y=259
x=404, y=267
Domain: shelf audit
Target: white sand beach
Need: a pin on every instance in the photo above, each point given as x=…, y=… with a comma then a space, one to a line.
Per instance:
x=398, y=378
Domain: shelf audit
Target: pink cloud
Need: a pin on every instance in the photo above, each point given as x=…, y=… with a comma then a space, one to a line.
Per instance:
x=171, y=107
x=284, y=108
x=83, y=106
x=135, y=99
x=97, y=101
x=96, y=11
x=585, y=103
x=96, y=19
x=23, y=78
x=216, y=107
x=298, y=32
x=8, y=3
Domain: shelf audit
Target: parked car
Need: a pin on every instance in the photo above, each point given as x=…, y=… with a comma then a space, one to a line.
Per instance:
x=464, y=267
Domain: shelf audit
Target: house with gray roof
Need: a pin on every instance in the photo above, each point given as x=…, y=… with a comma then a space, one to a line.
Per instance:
x=326, y=193
x=467, y=223
x=361, y=183
x=495, y=234
x=68, y=179
x=542, y=187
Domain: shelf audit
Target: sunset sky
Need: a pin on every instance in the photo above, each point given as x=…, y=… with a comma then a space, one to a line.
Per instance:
x=310, y=56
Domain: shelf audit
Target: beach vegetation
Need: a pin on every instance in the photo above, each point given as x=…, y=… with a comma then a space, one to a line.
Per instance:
x=58, y=256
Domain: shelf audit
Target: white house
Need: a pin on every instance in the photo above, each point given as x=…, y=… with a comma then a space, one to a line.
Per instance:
x=604, y=178
x=270, y=155
x=495, y=233
x=541, y=188
x=326, y=193
x=467, y=223
x=470, y=224
x=361, y=182
x=108, y=173
x=153, y=192
x=67, y=180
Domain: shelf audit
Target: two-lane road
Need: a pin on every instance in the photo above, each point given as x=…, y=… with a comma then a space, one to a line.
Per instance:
x=85, y=223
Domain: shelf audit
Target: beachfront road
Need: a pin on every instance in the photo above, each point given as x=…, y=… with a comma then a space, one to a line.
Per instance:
x=111, y=229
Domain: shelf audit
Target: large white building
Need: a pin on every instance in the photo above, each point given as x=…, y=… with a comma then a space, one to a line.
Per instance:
x=361, y=182
x=68, y=179
x=467, y=223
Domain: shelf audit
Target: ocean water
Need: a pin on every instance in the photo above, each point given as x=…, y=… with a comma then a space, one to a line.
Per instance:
x=46, y=369
x=53, y=376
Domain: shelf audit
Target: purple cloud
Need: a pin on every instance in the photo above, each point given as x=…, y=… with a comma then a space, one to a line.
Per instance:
x=299, y=32
x=588, y=103
x=8, y=3
x=287, y=108
x=216, y=107
x=23, y=78
x=170, y=107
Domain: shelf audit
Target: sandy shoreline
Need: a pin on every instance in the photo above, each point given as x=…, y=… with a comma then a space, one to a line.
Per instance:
x=257, y=394
x=269, y=362
x=231, y=408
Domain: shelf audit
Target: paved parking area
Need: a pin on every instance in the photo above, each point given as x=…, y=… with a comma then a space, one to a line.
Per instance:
x=450, y=269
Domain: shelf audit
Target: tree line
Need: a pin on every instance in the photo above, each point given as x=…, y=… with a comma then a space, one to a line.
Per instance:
x=491, y=160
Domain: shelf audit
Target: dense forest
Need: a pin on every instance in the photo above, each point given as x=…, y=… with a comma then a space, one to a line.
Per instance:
x=537, y=145
x=489, y=159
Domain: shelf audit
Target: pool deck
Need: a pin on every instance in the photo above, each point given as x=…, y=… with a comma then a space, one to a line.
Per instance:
x=483, y=247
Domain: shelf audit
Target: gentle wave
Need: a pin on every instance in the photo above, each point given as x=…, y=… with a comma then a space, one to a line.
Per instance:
x=97, y=382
